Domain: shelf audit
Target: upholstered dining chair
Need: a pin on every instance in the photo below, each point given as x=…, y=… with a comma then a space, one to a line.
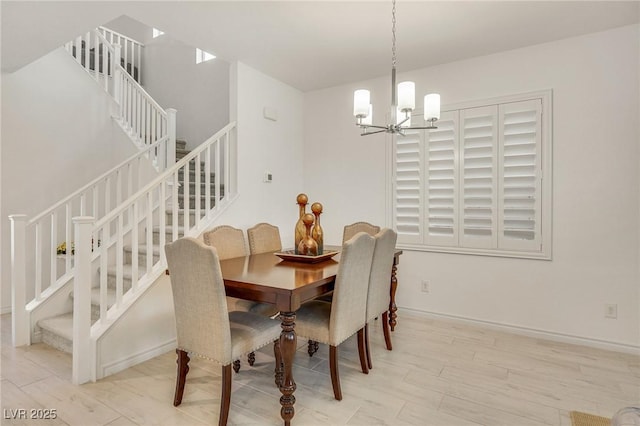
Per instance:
x=264, y=238
x=229, y=243
x=332, y=323
x=205, y=328
x=378, y=295
x=350, y=230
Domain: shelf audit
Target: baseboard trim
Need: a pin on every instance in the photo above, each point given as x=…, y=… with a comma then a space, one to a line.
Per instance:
x=126, y=362
x=531, y=332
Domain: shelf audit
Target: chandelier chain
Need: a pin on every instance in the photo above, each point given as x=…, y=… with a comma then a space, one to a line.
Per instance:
x=393, y=34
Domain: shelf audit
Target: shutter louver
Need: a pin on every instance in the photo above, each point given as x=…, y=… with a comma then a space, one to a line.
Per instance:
x=520, y=128
x=442, y=180
x=407, y=203
x=479, y=181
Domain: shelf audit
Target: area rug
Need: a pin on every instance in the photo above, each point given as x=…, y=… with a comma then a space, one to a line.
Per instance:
x=585, y=419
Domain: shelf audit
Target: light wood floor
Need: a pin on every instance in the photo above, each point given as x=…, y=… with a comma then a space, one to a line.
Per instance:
x=439, y=373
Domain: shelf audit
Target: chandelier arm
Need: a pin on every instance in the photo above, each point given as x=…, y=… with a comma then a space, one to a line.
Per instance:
x=373, y=133
x=365, y=126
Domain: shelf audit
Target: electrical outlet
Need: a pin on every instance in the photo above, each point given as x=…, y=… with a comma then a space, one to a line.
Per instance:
x=426, y=286
x=611, y=311
x=268, y=177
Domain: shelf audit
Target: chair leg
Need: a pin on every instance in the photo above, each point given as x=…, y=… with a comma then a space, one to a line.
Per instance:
x=251, y=358
x=181, y=377
x=236, y=365
x=361, y=351
x=386, y=331
x=312, y=347
x=225, y=399
x=335, y=376
x=279, y=368
x=367, y=346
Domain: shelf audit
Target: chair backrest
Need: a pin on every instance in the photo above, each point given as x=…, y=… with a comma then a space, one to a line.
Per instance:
x=264, y=238
x=380, y=278
x=202, y=318
x=349, y=304
x=354, y=228
x=228, y=241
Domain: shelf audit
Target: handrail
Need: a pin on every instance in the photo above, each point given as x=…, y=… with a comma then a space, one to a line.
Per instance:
x=96, y=181
x=120, y=35
x=140, y=88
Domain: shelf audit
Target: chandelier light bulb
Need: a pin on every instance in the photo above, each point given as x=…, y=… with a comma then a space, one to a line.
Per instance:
x=368, y=120
x=361, y=103
x=407, y=96
x=432, y=106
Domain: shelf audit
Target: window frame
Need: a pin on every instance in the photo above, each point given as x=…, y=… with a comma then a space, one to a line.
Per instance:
x=545, y=182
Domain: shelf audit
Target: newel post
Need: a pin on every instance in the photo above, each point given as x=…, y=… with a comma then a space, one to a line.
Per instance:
x=21, y=333
x=171, y=132
x=83, y=356
x=117, y=79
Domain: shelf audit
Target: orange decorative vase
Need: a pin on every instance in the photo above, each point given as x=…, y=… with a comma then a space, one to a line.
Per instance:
x=317, y=234
x=302, y=201
x=308, y=245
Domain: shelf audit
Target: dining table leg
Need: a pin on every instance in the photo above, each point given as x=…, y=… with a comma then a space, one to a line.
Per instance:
x=288, y=341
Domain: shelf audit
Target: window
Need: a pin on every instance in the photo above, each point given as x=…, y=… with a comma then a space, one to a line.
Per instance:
x=157, y=33
x=202, y=56
x=481, y=182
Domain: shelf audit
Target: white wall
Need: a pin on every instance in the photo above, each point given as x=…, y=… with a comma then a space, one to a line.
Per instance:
x=200, y=92
x=596, y=216
x=57, y=135
x=266, y=145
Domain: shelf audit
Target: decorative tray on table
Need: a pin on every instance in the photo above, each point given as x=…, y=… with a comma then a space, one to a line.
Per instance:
x=290, y=255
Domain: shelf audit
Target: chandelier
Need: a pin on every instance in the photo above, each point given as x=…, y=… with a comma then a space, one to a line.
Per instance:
x=402, y=101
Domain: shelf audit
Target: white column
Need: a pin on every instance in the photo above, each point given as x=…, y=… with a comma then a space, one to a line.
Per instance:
x=171, y=132
x=83, y=356
x=19, y=319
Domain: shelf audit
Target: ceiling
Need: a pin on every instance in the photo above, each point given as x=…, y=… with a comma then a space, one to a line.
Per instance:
x=317, y=44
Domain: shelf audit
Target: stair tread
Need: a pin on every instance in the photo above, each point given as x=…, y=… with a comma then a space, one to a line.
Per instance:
x=127, y=270
x=95, y=296
x=61, y=325
x=142, y=249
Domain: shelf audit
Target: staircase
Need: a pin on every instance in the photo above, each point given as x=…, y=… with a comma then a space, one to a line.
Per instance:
x=57, y=331
x=82, y=299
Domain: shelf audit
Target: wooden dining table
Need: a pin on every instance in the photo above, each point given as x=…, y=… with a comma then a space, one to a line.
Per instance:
x=287, y=285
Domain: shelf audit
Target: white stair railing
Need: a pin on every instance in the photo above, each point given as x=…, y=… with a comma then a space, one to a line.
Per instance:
x=141, y=221
x=137, y=112
x=96, y=55
x=131, y=51
x=47, y=240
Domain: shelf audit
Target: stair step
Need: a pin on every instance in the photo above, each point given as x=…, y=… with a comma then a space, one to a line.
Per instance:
x=192, y=201
x=127, y=272
x=181, y=144
x=142, y=254
x=203, y=187
x=168, y=233
x=169, y=215
x=95, y=301
x=181, y=153
x=57, y=332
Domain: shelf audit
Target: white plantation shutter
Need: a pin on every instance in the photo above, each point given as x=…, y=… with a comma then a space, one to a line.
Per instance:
x=478, y=184
x=408, y=187
x=520, y=175
x=475, y=184
x=441, y=193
